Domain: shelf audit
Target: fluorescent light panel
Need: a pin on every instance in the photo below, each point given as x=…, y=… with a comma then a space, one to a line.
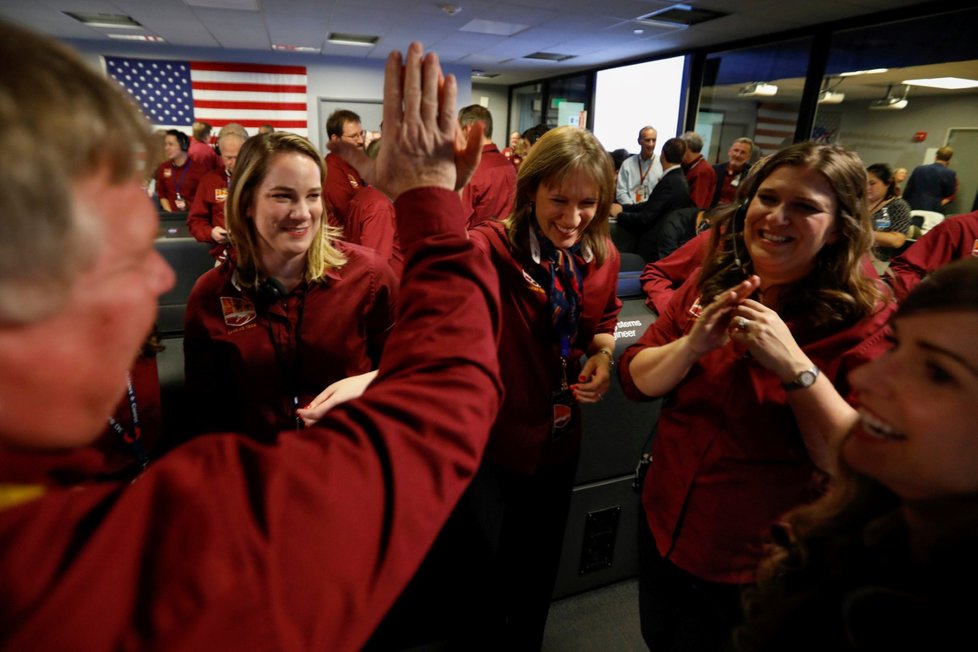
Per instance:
x=152, y=38
x=293, y=48
x=947, y=83
x=494, y=27
x=352, y=39
x=872, y=71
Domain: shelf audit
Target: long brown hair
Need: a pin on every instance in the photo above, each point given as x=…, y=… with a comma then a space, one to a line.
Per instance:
x=836, y=290
x=823, y=539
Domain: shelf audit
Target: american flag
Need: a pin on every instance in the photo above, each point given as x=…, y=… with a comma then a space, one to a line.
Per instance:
x=172, y=94
x=775, y=126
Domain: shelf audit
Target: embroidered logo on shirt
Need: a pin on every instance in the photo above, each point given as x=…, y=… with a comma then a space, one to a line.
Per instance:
x=220, y=194
x=237, y=311
x=353, y=181
x=974, y=248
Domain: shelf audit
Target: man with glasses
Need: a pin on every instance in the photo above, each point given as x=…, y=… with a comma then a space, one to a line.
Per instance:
x=342, y=180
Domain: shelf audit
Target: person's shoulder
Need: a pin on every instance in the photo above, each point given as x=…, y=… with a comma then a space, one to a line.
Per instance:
x=214, y=281
x=370, y=196
x=490, y=234
x=214, y=176
x=196, y=167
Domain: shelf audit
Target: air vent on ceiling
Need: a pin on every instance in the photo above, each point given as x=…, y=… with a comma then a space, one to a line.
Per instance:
x=679, y=16
x=549, y=56
x=104, y=20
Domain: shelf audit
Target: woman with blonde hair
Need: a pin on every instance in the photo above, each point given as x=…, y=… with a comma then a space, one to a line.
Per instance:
x=295, y=311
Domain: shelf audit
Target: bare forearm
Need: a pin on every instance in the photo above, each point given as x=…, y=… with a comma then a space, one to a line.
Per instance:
x=657, y=370
x=892, y=239
x=823, y=418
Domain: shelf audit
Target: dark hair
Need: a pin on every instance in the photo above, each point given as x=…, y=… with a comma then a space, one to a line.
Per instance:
x=532, y=135
x=182, y=139
x=476, y=113
x=336, y=120
x=673, y=150
x=883, y=172
x=823, y=542
x=618, y=157
x=836, y=291
x=952, y=287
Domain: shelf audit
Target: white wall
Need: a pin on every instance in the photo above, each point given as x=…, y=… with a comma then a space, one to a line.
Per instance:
x=887, y=136
x=497, y=98
x=327, y=77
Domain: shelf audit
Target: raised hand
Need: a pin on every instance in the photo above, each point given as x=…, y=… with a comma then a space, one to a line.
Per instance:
x=422, y=141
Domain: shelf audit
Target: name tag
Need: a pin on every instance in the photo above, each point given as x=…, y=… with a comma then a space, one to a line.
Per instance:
x=220, y=194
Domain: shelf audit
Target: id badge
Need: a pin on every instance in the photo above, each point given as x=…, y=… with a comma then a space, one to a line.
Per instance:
x=562, y=403
x=180, y=203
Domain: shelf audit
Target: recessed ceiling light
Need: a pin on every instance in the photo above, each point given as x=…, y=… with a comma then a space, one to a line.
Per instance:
x=679, y=16
x=550, y=56
x=873, y=71
x=242, y=5
x=117, y=21
x=494, y=27
x=352, y=39
x=293, y=48
x=482, y=74
x=638, y=30
x=152, y=38
x=949, y=83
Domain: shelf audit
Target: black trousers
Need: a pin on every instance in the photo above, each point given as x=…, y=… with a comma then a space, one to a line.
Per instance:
x=488, y=580
x=680, y=612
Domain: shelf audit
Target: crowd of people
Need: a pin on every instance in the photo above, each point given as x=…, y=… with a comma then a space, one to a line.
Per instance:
x=387, y=367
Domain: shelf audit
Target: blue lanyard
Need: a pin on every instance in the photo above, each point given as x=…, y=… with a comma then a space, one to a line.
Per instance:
x=131, y=439
x=186, y=166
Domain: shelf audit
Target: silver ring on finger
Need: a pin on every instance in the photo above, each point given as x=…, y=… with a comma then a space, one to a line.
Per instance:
x=742, y=324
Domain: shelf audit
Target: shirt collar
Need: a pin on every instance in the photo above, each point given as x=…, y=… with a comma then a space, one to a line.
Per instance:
x=586, y=252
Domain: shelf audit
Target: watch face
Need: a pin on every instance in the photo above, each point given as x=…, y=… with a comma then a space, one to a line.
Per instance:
x=806, y=379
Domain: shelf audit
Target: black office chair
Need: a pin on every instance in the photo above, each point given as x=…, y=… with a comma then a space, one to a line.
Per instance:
x=189, y=259
x=631, y=262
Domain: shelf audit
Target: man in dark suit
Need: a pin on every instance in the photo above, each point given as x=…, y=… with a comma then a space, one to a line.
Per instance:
x=731, y=173
x=931, y=187
x=669, y=194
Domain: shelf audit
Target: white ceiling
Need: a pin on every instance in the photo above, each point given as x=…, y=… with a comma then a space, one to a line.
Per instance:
x=596, y=33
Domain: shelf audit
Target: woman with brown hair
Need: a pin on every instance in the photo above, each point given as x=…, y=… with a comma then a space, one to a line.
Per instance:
x=886, y=560
x=751, y=355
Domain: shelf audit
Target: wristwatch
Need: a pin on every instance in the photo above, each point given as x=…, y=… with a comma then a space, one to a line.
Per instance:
x=805, y=379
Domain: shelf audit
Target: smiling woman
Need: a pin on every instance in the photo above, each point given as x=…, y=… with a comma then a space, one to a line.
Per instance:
x=493, y=569
x=880, y=561
x=753, y=356
x=292, y=311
